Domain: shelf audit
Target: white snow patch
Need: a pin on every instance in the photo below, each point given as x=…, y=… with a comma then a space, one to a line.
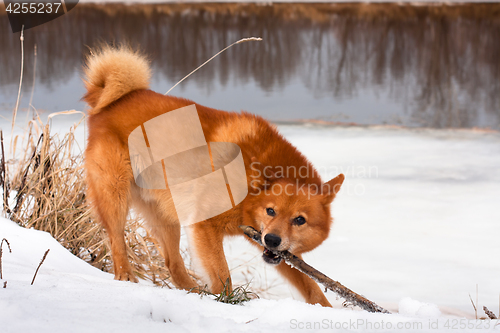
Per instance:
x=71, y=296
x=411, y=307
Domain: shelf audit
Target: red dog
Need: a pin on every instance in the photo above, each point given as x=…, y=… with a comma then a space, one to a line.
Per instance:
x=287, y=200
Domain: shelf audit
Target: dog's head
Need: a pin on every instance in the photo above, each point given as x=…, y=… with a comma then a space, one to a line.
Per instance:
x=291, y=215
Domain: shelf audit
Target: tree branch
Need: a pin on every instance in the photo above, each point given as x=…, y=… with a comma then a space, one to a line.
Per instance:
x=297, y=263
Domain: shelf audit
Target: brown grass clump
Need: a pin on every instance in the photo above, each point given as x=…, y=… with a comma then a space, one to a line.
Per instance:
x=47, y=192
x=238, y=295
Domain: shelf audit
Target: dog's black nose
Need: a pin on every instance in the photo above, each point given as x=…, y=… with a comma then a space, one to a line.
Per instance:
x=272, y=240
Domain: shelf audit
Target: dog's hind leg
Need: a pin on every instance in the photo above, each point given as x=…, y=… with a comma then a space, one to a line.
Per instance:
x=166, y=230
x=108, y=179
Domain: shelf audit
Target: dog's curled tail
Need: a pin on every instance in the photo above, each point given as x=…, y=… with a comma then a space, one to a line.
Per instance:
x=112, y=72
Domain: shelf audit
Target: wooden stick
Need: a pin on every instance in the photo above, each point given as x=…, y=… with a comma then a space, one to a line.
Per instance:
x=297, y=263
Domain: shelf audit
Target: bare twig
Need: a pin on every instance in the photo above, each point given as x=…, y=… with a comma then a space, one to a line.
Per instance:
x=477, y=297
x=1, y=252
x=3, y=178
x=473, y=305
x=477, y=300
x=490, y=314
x=21, y=38
x=206, y=62
x=5, y=285
x=297, y=263
x=33, y=85
x=40, y=264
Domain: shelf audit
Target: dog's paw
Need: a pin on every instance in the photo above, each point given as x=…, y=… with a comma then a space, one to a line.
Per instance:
x=126, y=276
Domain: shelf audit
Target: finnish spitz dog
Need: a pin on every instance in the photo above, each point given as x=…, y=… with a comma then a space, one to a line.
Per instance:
x=287, y=200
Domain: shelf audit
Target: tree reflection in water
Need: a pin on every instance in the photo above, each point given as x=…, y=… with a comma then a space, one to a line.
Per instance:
x=442, y=63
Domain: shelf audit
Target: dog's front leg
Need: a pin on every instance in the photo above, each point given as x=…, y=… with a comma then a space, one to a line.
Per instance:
x=304, y=284
x=206, y=246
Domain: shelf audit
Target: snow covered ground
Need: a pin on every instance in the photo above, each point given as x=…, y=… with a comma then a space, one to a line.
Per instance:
x=70, y=296
x=416, y=229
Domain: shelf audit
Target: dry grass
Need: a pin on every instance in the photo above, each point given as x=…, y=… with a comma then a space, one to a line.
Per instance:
x=44, y=188
x=238, y=295
x=47, y=192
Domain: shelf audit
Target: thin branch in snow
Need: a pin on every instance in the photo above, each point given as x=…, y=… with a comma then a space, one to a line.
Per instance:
x=473, y=305
x=1, y=252
x=40, y=264
x=477, y=300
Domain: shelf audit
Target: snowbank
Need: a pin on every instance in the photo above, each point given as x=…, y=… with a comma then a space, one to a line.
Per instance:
x=70, y=296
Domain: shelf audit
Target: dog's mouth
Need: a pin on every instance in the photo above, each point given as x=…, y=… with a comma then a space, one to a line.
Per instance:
x=270, y=257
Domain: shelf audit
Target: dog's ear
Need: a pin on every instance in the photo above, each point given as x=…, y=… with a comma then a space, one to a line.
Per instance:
x=261, y=175
x=331, y=188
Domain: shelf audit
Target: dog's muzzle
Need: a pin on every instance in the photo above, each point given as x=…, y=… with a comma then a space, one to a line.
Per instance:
x=271, y=241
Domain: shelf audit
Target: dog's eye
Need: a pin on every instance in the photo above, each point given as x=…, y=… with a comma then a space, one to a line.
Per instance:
x=270, y=212
x=299, y=220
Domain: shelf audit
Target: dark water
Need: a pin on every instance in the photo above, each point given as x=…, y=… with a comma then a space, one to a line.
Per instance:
x=435, y=66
